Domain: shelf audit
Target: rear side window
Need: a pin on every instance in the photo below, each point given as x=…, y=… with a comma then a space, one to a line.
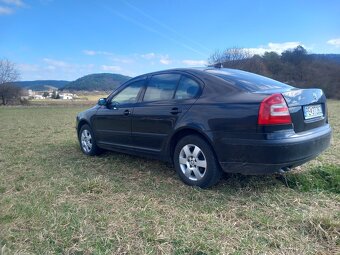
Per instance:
x=248, y=81
x=161, y=87
x=187, y=88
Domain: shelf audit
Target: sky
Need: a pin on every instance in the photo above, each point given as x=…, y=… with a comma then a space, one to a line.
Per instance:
x=67, y=39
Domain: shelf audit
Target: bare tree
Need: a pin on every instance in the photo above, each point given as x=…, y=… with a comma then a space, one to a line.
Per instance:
x=232, y=57
x=216, y=59
x=8, y=74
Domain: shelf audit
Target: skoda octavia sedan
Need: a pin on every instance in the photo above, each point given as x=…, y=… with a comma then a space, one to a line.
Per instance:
x=209, y=120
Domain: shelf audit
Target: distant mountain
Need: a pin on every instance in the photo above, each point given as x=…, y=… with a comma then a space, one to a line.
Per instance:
x=332, y=57
x=100, y=81
x=41, y=84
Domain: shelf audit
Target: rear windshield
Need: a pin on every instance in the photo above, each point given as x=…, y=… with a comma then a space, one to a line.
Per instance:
x=249, y=81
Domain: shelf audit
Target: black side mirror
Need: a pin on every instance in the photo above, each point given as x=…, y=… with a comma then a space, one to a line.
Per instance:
x=102, y=101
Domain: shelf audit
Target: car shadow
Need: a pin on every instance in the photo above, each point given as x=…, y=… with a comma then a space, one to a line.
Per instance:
x=149, y=171
x=159, y=170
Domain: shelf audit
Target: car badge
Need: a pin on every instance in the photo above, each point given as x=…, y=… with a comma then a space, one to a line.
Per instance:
x=315, y=96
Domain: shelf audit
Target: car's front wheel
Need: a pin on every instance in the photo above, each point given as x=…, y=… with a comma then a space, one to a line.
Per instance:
x=195, y=162
x=87, y=141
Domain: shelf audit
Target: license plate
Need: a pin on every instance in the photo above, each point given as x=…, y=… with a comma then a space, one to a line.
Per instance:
x=312, y=111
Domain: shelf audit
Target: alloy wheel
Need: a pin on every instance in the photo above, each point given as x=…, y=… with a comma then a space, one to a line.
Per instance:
x=192, y=162
x=86, y=140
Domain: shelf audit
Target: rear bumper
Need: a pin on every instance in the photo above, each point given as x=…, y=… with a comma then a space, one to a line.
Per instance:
x=271, y=155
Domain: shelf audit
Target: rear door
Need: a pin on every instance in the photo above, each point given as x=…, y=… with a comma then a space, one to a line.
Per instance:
x=166, y=99
x=307, y=108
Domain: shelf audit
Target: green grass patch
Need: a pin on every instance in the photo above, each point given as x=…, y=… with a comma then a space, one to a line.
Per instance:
x=321, y=178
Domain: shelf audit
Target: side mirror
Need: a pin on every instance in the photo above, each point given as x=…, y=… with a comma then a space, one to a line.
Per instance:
x=102, y=101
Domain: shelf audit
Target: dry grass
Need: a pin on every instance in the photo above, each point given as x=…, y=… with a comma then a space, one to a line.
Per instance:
x=53, y=199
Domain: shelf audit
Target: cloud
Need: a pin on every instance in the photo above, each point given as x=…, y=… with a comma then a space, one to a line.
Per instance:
x=111, y=68
x=8, y=7
x=190, y=62
x=335, y=42
x=94, y=52
x=113, y=57
x=276, y=47
x=17, y=3
x=49, y=68
x=124, y=60
x=89, y=52
x=149, y=55
x=6, y=10
x=165, y=60
x=28, y=67
x=56, y=63
x=54, y=66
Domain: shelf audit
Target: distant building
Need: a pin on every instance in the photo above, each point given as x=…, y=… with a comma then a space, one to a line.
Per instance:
x=38, y=97
x=48, y=94
x=66, y=96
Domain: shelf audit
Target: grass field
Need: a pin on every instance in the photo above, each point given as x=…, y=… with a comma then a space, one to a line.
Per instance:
x=53, y=199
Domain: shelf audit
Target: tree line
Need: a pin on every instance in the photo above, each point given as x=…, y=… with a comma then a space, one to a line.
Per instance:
x=295, y=67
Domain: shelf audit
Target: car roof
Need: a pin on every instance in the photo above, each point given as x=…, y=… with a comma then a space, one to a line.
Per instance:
x=199, y=71
x=238, y=79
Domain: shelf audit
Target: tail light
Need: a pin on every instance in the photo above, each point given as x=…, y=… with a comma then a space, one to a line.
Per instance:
x=273, y=111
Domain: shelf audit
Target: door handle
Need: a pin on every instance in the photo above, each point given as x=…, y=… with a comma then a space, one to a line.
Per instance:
x=126, y=112
x=175, y=110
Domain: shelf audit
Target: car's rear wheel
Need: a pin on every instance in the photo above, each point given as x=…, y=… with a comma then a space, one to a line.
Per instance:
x=87, y=141
x=195, y=162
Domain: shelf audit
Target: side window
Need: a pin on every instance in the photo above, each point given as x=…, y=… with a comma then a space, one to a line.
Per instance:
x=129, y=94
x=161, y=87
x=187, y=88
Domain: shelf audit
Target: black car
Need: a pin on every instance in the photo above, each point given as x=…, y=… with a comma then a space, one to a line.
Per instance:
x=209, y=120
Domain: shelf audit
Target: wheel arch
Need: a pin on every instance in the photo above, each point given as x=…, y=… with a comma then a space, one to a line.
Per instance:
x=81, y=123
x=180, y=133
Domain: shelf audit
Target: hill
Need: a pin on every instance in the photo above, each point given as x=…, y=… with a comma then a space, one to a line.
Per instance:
x=100, y=81
x=331, y=57
x=41, y=84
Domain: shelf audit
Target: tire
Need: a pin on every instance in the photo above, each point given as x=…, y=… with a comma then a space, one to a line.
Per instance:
x=87, y=141
x=195, y=162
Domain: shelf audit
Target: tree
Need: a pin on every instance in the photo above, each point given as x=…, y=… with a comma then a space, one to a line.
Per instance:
x=55, y=94
x=295, y=56
x=232, y=58
x=8, y=74
x=273, y=62
x=296, y=59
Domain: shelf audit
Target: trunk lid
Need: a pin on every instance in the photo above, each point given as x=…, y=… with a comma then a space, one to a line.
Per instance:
x=307, y=108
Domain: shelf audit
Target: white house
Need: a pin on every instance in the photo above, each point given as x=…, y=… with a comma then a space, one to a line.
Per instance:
x=66, y=96
x=38, y=97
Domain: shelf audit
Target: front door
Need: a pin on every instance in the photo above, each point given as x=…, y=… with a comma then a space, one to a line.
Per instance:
x=112, y=123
